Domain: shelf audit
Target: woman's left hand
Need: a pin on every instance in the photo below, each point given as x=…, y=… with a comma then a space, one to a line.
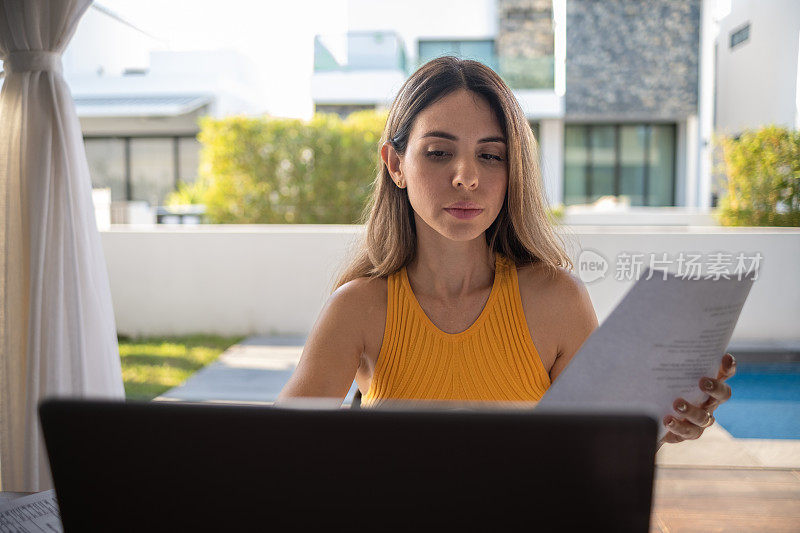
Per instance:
x=692, y=420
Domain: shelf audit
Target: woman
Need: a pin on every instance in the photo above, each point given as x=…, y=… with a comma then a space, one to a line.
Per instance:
x=460, y=290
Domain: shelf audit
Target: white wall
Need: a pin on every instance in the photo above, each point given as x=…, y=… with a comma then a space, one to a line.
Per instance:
x=705, y=103
x=757, y=81
x=626, y=215
x=551, y=147
x=540, y=104
x=687, y=154
x=275, y=279
x=772, y=311
x=222, y=279
x=356, y=87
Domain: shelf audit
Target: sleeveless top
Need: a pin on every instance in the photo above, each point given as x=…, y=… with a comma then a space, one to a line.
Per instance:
x=492, y=360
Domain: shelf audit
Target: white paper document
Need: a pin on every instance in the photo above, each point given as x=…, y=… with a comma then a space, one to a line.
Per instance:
x=654, y=347
x=31, y=514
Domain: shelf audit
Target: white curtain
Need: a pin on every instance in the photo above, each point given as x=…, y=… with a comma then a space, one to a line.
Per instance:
x=57, y=328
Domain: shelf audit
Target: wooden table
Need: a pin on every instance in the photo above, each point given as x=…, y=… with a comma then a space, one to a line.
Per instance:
x=708, y=499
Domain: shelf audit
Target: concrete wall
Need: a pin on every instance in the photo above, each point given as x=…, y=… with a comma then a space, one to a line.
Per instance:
x=757, y=80
x=357, y=86
x=275, y=279
x=222, y=279
x=771, y=313
x=623, y=215
x=551, y=150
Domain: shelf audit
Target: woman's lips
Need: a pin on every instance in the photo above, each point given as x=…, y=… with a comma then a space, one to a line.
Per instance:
x=463, y=213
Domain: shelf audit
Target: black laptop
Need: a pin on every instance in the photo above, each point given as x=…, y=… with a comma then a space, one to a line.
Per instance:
x=131, y=466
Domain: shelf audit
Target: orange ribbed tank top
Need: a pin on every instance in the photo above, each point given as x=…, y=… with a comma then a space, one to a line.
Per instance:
x=492, y=360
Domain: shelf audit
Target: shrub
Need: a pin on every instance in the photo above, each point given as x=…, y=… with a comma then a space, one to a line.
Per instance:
x=761, y=178
x=187, y=193
x=285, y=171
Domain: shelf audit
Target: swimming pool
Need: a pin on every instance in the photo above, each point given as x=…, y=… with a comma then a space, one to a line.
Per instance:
x=765, y=402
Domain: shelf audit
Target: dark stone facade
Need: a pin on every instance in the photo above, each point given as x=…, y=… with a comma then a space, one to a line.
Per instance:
x=632, y=59
x=525, y=28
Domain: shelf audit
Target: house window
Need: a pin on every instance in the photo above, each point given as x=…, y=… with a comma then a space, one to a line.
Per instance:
x=632, y=160
x=106, y=159
x=188, y=159
x=480, y=50
x=142, y=167
x=152, y=169
x=741, y=35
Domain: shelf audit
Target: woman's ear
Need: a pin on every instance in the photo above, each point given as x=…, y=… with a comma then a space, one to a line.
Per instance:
x=392, y=161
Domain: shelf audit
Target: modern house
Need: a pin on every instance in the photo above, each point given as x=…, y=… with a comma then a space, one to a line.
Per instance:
x=138, y=107
x=619, y=94
x=758, y=67
x=623, y=96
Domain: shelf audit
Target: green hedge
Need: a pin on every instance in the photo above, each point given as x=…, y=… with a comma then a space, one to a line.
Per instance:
x=285, y=171
x=761, y=178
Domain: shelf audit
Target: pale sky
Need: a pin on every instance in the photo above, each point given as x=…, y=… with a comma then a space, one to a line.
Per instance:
x=278, y=36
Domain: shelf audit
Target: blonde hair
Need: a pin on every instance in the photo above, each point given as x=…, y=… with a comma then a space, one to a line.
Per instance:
x=522, y=231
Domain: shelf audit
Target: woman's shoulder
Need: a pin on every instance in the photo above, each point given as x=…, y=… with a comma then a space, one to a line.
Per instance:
x=548, y=280
x=365, y=297
x=556, y=289
x=560, y=300
x=367, y=304
x=363, y=289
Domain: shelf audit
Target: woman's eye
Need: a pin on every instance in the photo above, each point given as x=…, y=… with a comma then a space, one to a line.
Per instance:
x=436, y=154
x=492, y=157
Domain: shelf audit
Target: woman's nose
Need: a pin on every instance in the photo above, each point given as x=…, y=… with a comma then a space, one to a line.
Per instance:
x=466, y=174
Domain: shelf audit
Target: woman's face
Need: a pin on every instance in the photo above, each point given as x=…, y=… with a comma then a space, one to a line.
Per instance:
x=455, y=166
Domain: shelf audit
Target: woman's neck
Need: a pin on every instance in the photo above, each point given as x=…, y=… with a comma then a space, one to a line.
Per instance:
x=448, y=270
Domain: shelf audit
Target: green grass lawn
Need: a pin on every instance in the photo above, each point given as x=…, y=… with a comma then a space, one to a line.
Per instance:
x=153, y=365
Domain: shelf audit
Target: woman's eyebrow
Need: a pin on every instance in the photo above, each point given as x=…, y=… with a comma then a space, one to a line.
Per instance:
x=441, y=134
x=492, y=140
x=451, y=137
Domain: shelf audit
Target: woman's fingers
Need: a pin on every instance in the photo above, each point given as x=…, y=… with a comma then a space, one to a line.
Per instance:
x=693, y=420
x=717, y=390
x=698, y=416
x=727, y=368
x=672, y=438
x=684, y=428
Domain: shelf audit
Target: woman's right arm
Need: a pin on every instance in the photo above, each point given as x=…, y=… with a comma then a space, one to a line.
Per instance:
x=333, y=350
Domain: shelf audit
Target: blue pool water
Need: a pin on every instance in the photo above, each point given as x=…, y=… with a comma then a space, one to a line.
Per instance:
x=765, y=403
